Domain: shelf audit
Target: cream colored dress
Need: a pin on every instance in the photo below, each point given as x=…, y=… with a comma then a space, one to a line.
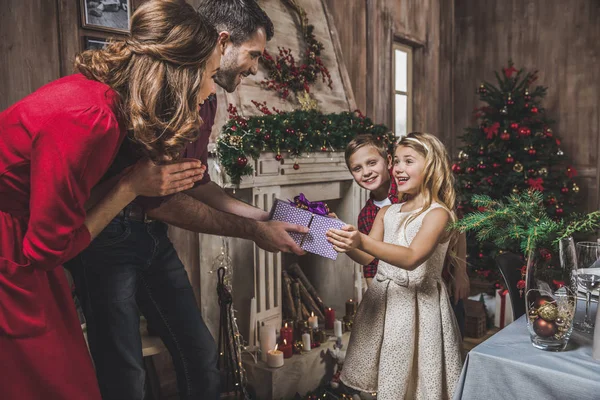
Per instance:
x=405, y=342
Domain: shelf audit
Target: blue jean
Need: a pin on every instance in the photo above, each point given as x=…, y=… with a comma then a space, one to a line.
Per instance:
x=132, y=267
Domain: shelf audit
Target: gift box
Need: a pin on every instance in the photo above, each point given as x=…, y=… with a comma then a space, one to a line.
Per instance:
x=504, y=312
x=315, y=241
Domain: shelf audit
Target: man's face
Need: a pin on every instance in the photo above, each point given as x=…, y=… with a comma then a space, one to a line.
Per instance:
x=241, y=60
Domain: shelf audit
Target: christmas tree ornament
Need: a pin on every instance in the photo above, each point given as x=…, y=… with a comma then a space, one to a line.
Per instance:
x=481, y=151
x=514, y=126
x=468, y=186
x=533, y=314
x=526, y=95
x=548, y=312
x=531, y=172
x=575, y=188
x=509, y=159
x=496, y=165
x=540, y=301
x=267, y=137
x=470, y=170
x=509, y=101
x=543, y=171
x=544, y=328
x=559, y=210
x=526, y=105
x=456, y=168
x=323, y=148
x=531, y=151
x=560, y=153
x=504, y=110
x=505, y=135
x=296, y=166
x=515, y=190
x=278, y=157
x=482, y=89
x=534, y=110
x=518, y=167
x=560, y=322
x=564, y=190
x=549, y=132
x=242, y=161
x=551, y=200
x=481, y=165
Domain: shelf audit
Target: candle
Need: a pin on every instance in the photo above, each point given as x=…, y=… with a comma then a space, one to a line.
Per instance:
x=337, y=328
x=287, y=333
x=306, y=341
x=313, y=322
x=286, y=348
x=350, y=308
x=275, y=358
x=329, y=318
x=267, y=340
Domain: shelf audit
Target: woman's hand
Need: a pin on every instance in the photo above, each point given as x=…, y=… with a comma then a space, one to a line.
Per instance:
x=148, y=179
x=344, y=240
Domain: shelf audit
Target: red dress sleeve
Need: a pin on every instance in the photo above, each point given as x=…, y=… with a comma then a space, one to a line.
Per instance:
x=69, y=155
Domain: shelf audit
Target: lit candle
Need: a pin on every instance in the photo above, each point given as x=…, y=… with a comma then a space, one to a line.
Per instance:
x=313, y=322
x=337, y=328
x=350, y=308
x=306, y=341
x=286, y=348
x=275, y=358
x=267, y=340
x=286, y=333
x=329, y=318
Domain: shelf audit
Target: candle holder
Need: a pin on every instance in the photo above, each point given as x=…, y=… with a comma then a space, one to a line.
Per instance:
x=319, y=336
x=348, y=324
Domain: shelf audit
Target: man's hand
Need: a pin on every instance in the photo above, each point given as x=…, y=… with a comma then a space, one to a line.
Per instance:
x=273, y=236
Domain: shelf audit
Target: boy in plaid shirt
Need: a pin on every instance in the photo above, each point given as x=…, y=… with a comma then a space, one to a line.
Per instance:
x=368, y=161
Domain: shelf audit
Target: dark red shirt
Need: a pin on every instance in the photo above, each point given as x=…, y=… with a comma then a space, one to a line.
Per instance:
x=366, y=218
x=128, y=155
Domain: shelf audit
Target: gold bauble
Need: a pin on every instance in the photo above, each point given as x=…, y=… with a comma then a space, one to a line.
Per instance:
x=575, y=188
x=560, y=321
x=515, y=190
x=533, y=314
x=548, y=312
x=543, y=171
x=518, y=167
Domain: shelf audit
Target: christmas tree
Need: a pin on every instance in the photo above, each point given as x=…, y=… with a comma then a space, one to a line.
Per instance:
x=512, y=148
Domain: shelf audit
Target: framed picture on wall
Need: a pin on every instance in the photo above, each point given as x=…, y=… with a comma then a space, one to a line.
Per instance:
x=93, y=43
x=106, y=15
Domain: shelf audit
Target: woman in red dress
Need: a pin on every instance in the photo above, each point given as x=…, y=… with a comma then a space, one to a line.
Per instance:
x=55, y=145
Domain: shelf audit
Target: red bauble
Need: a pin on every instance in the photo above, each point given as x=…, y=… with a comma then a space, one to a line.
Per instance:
x=534, y=110
x=559, y=211
x=468, y=186
x=257, y=130
x=323, y=148
x=482, y=166
x=540, y=301
x=267, y=137
x=480, y=255
x=296, y=166
x=514, y=126
x=523, y=131
x=278, y=157
x=496, y=165
x=526, y=105
x=456, y=168
x=551, y=201
x=544, y=328
x=531, y=151
x=510, y=160
x=510, y=102
x=242, y=161
x=564, y=190
x=470, y=170
x=290, y=131
x=481, y=152
x=530, y=171
x=505, y=135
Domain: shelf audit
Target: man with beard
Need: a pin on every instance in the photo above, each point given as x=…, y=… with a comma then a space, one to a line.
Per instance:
x=132, y=265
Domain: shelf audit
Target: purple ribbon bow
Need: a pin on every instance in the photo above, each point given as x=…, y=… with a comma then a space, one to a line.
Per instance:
x=315, y=207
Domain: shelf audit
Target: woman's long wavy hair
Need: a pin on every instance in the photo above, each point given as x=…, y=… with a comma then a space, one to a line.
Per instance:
x=438, y=180
x=157, y=73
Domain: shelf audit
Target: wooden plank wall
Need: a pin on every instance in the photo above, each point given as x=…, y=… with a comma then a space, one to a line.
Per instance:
x=560, y=39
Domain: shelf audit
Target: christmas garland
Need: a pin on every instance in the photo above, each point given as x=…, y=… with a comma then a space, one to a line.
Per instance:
x=295, y=133
x=283, y=73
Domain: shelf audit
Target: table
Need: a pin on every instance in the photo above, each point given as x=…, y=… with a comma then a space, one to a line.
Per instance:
x=507, y=366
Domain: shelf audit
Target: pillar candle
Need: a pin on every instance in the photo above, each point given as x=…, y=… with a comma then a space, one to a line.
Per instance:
x=313, y=322
x=306, y=341
x=275, y=358
x=329, y=318
x=287, y=333
x=286, y=348
x=337, y=328
x=350, y=308
x=267, y=340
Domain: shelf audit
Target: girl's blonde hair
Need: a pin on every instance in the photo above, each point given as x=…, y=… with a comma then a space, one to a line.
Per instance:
x=157, y=73
x=438, y=180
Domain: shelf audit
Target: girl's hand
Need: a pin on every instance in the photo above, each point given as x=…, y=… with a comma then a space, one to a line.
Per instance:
x=148, y=179
x=344, y=240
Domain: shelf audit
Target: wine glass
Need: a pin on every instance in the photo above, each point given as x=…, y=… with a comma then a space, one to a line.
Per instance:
x=588, y=278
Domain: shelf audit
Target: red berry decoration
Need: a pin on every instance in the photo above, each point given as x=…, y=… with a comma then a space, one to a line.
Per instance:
x=323, y=148
x=456, y=168
x=527, y=97
x=526, y=105
x=510, y=159
x=242, y=161
x=505, y=135
x=470, y=170
x=480, y=255
x=510, y=102
x=267, y=137
x=559, y=211
x=549, y=132
x=532, y=151
x=523, y=131
x=564, y=190
x=514, y=126
x=534, y=110
x=496, y=165
x=482, y=89
x=278, y=157
x=296, y=166
x=482, y=165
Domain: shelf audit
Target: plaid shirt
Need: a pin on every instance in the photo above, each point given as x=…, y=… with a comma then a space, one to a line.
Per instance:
x=366, y=218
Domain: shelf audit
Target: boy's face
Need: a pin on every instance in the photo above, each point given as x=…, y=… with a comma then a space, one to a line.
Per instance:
x=408, y=169
x=368, y=168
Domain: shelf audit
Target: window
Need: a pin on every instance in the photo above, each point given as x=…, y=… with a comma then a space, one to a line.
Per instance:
x=402, y=89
